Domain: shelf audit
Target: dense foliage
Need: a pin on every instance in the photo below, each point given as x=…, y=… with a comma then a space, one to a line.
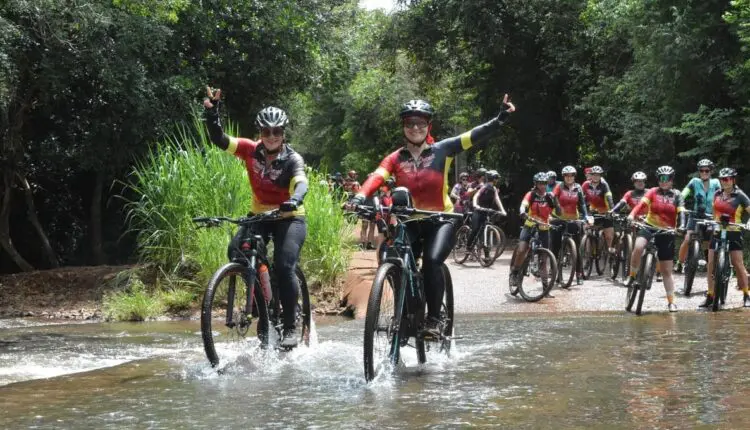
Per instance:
x=87, y=86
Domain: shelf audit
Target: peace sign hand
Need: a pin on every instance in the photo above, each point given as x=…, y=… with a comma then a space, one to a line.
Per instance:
x=508, y=108
x=213, y=99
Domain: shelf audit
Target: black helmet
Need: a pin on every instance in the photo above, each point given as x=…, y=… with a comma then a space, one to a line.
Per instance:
x=402, y=197
x=706, y=163
x=271, y=117
x=418, y=108
x=390, y=183
x=541, y=177
x=596, y=170
x=727, y=172
x=665, y=170
x=492, y=175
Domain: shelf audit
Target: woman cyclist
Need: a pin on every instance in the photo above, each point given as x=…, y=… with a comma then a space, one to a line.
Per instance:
x=537, y=205
x=486, y=197
x=702, y=189
x=664, y=210
x=277, y=178
x=631, y=198
x=730, y=203
x=421, y=165
x=572, y=207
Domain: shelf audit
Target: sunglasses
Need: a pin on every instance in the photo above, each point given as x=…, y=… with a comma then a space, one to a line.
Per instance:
x=726, y=179
x=419, y=123
x=705, y=170
x=665, y=178
x=569, y=175
x=276, y=131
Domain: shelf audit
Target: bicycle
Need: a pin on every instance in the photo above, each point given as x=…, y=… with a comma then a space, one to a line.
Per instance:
x=594, y=249
x=623, y=244
x=238, y=305
x=489, y=238
x=539, y=262
x=694, y=251
x=722, y=270
x=567, y=255
x=396, y=306
x=646, y=270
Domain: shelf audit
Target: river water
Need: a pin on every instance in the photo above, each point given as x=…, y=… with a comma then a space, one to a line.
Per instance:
x=523, y=371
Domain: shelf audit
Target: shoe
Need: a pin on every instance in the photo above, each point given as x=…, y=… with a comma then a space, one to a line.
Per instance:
x=672, y=307
x=658, y=277
x=579, y=278
x=629, y=282
x=708, y=302
x=431, y=327
x=678, y=267
x=746, y=301
x=370, y=245
x=289, y=338
x=549, y=296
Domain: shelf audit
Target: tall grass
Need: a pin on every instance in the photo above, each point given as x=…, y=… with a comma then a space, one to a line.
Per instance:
x=186, y=176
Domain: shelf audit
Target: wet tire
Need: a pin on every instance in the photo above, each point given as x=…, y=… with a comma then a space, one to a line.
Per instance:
x=460, y=248
x=691, y=265
x=601, y=255
x=303, y=311
x=491, y=241
x=380, y=321
x=500, y=248
x=226, y=296
x=588, y=245
x=567, y=262
x=546, y=273
x=722, y=274
x=443, y=344
x=627, y=242
x=616, y=260
x=645, y=278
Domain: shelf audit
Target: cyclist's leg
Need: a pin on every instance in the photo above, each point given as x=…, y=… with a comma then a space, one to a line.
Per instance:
x=289, y=235
x=438, y=243
x=735, y=255
x=665, y=255
x=577, y=232
x=477, y=219
x=233, y=249
x=556, y=237
x=635, y=257
x=523, y=247
x=682, y=255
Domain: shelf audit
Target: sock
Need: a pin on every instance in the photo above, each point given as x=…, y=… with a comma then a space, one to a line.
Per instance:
x=670, y=299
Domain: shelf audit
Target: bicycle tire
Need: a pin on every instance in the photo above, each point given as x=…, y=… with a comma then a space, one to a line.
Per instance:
x=490, y=239
x=500, y=248
x=568, y=247
x=602, y=254
x=645, y=278
x=446, y=318
x=721, y=279
x=230, y=272
x=392, y=274
x=541, y=253
x=628, y=243
x=586, y=254
x=614, y=263
x=691, y=265
x=630, y=295
x=303, y=312
x=460, y=248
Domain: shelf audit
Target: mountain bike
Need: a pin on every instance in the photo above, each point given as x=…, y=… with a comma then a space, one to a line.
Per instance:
x=619, y=263
x=489, y=243
x=722, y=270
x=539, y=265
x=647, y=269
x=594, y=249
x=396, y=306
x=567, y=255
x=229, y=306
x=695, y=253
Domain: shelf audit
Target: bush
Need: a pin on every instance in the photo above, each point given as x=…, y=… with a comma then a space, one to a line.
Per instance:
x=134, y=304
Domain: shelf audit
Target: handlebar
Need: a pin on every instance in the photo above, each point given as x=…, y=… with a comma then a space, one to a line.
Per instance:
x=651, y=227
x=208, y=222
x=369, y=211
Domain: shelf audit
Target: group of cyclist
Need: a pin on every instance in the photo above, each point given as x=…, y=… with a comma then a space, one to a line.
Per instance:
x=552, y=202
x=420, y=165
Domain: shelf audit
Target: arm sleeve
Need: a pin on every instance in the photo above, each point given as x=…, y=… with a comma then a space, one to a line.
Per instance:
x=477, y=136
x=681, y=213
x=582, y=204
x=621, y=204
x=645, y=201
x=608, y=196
x=298, y=183
x=215, y=132
x=686, y=191
x=383, y=172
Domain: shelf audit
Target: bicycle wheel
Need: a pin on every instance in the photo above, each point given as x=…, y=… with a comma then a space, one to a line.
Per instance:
x=500, y=247
x=567, y=262
x=691, y=265
x=588, y=248
x=627, y=242
x=486, y=253
x=303, y=312
x=225, y=297
x=443, y=342
x=542, y=267
x=601, y=255
x=721, y=278
x=380, y=322
x=645, y=278
x=461, y=248
x=513, y=290
x=616, y=260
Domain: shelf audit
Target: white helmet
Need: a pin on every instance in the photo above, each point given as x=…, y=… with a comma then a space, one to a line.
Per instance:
x=568, y=169
x=638, y=176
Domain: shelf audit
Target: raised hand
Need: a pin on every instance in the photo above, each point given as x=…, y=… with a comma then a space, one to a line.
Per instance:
x=212, y=99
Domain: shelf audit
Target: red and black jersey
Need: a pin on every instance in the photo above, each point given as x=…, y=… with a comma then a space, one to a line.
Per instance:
x=632, y=198
x=572, y=202
x=426, y=176
x=663, y=207
x=598, y=196
x=732, y=205
x=272, y=183
x=539, y=207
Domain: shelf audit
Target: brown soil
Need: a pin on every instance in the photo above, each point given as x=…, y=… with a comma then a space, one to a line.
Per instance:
x=66, y=293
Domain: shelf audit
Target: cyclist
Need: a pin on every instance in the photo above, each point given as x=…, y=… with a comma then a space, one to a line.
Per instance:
x=664, y=210
x=485, y=198
x=703, y=189
x=278, y=181
x=631, y=198
x=572, y=207
x=420, y=166
x=552, y=181
x=459, y=193
x=537, y=205
x=351, y=185
x=599, y=200
x=480, y=178
x=730, y=202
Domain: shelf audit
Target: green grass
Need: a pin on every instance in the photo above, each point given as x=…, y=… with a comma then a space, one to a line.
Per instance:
x=133, y=304
x=185, y=176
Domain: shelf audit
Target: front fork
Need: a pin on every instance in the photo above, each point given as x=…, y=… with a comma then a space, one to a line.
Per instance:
x=246, y=315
